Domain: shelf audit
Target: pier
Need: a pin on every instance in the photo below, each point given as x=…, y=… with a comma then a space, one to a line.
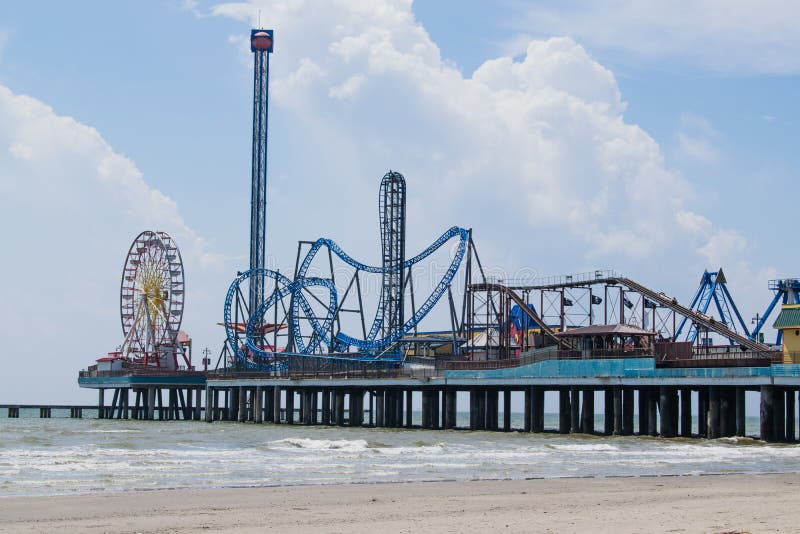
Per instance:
x=639, y=397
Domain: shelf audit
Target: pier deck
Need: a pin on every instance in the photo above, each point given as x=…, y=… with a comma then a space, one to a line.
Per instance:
x=667, y=400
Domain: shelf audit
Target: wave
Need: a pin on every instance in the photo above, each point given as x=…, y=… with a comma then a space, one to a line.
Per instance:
x=347, y=445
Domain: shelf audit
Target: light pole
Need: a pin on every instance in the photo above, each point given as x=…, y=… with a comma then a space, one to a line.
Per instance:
x=756, y=321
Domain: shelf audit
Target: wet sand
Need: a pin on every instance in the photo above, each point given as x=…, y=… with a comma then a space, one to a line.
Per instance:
x=726, y=503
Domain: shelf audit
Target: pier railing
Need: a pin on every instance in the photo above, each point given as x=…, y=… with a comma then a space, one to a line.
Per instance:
x=137, y=371
x=722, y=359
x=547, y=355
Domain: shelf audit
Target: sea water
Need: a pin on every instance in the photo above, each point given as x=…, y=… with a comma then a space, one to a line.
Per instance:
x=60, y=455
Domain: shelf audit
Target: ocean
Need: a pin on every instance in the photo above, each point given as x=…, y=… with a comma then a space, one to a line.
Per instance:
x=62, y=456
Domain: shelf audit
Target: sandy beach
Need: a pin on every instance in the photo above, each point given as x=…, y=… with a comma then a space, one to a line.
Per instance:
x=725, y=503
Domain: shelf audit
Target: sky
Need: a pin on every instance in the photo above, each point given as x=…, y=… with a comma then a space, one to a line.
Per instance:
x=653, y=138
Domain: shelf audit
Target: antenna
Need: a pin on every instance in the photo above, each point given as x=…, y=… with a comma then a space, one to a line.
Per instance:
x=259, y=19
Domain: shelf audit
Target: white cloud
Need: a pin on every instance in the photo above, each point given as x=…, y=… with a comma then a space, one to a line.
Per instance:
x=537, y=144
x=70, y=206
x=348, y=88
x=697, y=140
x=721, y=35
x=697, y=148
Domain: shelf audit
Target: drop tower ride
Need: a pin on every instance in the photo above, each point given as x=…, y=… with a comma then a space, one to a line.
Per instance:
x=261, y=47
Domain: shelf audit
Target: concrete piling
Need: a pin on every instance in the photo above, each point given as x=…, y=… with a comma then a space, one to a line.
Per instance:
x=587, y=423
x=779, y=411
x=627, y=411
x=767, y=413
x=686, y=413
x=740, y=411
x=564, y=411
x=790, y=411
x=574, y=409
x=507, y=410
x=644, y=411
x=714, y=426
x=537, y=409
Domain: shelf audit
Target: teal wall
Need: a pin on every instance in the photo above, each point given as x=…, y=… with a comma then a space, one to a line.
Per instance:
x=621, y=368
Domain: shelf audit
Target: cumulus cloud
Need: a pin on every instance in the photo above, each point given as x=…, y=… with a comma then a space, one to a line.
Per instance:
x=70, y=205
x=721, y=35
x=536, y=145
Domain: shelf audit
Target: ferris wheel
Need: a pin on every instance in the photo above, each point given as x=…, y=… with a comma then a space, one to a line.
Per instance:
x=151, y=300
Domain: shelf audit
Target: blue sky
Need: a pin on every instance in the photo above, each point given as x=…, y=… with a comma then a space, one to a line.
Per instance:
x=673, y=130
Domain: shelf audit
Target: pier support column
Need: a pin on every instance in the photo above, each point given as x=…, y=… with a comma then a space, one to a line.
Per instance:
x=151, y=403
x=305, y=396
x=564, y=411
x=608, y=410
x=491, y=409
x=740, y=411
x=101, y=409
x=398, y=408
x=198, y=403
x=779, y=414
x=326, y=407
x=627, y=411
x=507, y=410
x=315, y=407
x=587, y=425
x=714, y=401
x=209, y=408
x=790, y=412
x=686, y=413
x=426, y=409
x=528, y=415
x=668, y=403
x=537, y=409
x=451, y=413
x=644, y=411
x=339, y=407
x=409, y=408
x=473, y=409
x=351, y=408
x=242, y=405
x=480, y=407
x=767, y=413
x=652, y=409
x=267, y=406
x=727, y=408
x=359, y=405
x=617, y=410
x=574, y=410
x=380, y=418
x=436, y=413
x=125, y=400
x=258, y=409
x=702, y=411
x=289, y=406
x=276, y=405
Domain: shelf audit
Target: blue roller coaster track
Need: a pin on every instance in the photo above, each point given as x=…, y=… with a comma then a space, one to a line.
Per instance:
x=254, y=355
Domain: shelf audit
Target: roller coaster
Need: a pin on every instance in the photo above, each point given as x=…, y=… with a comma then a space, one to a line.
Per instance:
x=306, y=312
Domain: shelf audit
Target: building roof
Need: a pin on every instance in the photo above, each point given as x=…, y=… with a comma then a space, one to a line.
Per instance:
x=607, y=330
x=788, y=318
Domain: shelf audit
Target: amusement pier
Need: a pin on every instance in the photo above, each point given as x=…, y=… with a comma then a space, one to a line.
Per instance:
x=340, y=342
